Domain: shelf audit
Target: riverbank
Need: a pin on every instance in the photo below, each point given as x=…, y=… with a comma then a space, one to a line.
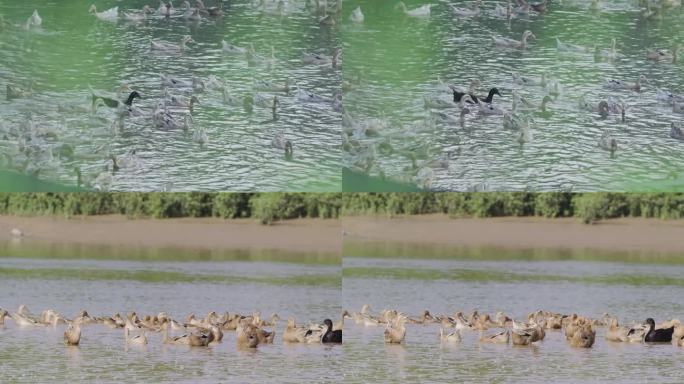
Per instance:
x=627, y=235
x=298, y=235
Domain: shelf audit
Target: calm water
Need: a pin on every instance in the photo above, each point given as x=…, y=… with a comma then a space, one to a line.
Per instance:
x=517, y=288
x=73, y=50
x=179, y=288
x=400, y=58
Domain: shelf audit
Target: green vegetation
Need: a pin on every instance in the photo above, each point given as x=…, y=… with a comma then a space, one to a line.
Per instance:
x=587, y=206
x=270, y=207
x=155, y=276
x=481, y=275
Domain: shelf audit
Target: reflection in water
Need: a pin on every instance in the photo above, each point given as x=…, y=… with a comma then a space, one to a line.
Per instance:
x=404, y=63
x=230, y=142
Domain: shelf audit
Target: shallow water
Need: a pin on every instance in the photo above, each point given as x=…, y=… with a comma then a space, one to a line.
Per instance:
x=269, y=287
x=73, y=50
x=424, y=356
x=400, y=58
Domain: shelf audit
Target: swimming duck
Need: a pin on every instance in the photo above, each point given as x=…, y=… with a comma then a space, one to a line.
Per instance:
x=668, y=97
x=137, y=17
x=267, y=86
x=175, y=340
x=16, y=92
x=467, y=12
x=356, y=15
x=422, y=11
x=451, y=337
x=140, y=339
x=232, y=49
x=395, y=332
x=529, y=81
x=200, y=339
x=171, y=47
x=512, y=43
x=34, y=20
x=310, y=97
x=108, y=15
x=321, y=59
x=520, y=337
x=280, y=142
x=610, y=53
x=246, y=336
x=211, y=11
x=165, y=9
x=505, y=12
x=660, y=55
x=618, y=333
x=657, y=335
x=608, y=143
x=72, y=335
x=293, y=333
x=620, y=84
x=676, y=132
x=489, y=109
x=168, y=81
x=330, y=335
x=583, y=337
x=177, y=101
x=191, y=14
x=111, y=102
x=498, y=338
x=568, y=47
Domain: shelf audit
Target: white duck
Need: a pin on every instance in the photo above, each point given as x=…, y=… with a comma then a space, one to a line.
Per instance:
x=356, y=15
x=422, y=11
x=166, y=46
x=512, y=43
x=621, y=84
x=110, y=15
x=34, y=21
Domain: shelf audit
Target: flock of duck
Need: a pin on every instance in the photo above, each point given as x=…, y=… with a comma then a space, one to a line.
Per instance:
x=37, y=148
x=250, y=330
x=365, y=139
x=579, y=331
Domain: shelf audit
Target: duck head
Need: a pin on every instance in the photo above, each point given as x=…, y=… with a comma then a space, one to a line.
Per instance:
x=328, y=323
x=132, y=96
x=187, y=39
x=288, y=150
x=529, y=35
x=92, y=9
x=650, y=323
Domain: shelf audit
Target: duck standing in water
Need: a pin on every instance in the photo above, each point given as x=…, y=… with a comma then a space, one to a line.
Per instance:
x=657, y=335
x=330, y=335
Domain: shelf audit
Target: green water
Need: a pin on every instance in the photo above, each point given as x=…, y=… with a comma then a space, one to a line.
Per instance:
x=73, y=51
x=399, y=59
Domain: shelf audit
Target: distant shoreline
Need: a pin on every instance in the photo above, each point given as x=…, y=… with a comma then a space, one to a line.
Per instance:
x=298, y=235
x=630, y=234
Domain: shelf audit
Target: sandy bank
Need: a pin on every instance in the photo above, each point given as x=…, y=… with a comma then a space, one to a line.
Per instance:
x=616, y=235
x=302, y=235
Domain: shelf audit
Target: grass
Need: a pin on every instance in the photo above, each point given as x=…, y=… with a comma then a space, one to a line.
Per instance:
x=154, y=276
x=476, y=275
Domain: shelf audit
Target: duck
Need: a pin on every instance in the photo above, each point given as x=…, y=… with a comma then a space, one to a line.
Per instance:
x=173, y=82
x=140, y=339
x=356, y=15
x=617, y=333
x=72, y=335
x=451, y=337
x=568, y=47
x=171, y=47
x=499, y=338
x=583, y=337
x=177, y=101
x=395, y=331
x=191, y=14
x=211, y=11
x=610, y=53
x=321, y=59
x=267, y=86
x=520, y=337
x=310, y=97
x=34, y=20
x=529, y=81
x=231, y=49
x=422, y=11
x=512, y=43
x=467, y=12
x=200, y=339
x=16, y=92
x=489, y=109
x=109, y=15
x=280, y=142
x=662, y=55
x=111, y=102
x=137, y=17
x=608, y=143
x=657, y=335
x=246, y=336
x=173, y=340
x=331, y=335
x=676, y=132
x=293, y=333
x=165, y=9
x=620, y=84
x=668, y=96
